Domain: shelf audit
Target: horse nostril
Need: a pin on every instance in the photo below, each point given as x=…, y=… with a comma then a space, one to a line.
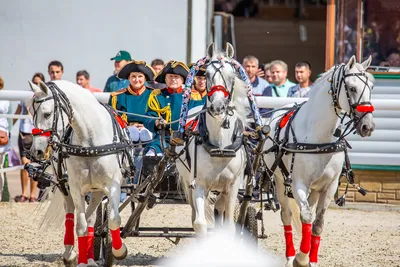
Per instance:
x=218, y=109
x=365, y=128
x=40, y=153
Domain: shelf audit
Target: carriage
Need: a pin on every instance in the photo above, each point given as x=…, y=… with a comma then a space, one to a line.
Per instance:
x=232, y=165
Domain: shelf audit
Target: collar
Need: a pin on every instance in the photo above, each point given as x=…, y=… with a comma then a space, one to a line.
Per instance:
x=172, y=91
x=281, y=86
x=256, y=81
x=136, y=92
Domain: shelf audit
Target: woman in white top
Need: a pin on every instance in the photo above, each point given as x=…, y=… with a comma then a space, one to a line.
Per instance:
x=24, y=144
x=4, y=135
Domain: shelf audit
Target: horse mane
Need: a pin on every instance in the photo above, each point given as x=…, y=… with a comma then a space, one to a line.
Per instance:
x=328, y=74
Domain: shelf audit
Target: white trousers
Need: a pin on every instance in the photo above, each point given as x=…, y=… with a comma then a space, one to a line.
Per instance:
x=143, y=134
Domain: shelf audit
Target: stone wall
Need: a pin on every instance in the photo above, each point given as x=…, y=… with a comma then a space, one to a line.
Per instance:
x=382, y=187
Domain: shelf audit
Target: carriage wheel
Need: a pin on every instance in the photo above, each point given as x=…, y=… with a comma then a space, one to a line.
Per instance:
x=102, y=244
x=97, y=239
x=107, y=245
x=250, y=227
x=250, y=223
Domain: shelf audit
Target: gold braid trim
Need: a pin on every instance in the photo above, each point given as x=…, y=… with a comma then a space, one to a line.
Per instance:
x=114, y=102
x=155, y=105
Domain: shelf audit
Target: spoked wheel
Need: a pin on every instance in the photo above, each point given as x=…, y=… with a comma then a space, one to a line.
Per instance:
x=102, y=242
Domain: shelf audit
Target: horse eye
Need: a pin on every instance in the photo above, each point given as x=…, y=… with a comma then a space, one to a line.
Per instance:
x=353, y=89
x=47, y=115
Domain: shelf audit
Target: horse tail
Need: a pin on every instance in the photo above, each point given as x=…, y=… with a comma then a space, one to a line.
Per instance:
x=294, y=208
x=55, y=215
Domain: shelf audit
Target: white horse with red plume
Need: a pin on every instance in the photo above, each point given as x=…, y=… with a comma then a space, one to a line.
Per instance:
x=313, y=153
x=90, y=156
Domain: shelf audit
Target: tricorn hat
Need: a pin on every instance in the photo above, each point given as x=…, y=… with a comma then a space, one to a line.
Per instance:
x=137, y=66
x=172, y=67
x=201, y=72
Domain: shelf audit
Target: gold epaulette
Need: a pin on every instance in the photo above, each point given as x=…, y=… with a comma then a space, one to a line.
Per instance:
x=194, y=95
x=121, y=91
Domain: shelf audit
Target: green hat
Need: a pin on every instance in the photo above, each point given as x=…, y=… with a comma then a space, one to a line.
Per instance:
x=172, y=67
x=136, y=66
x=122, y=55
x=201, y=72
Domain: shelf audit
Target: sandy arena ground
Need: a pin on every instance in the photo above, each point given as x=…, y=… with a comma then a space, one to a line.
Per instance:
x=351, y=238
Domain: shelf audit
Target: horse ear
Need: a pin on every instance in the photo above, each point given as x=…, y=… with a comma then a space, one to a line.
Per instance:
x=34, y=87
x=351, y=62
x=367, y=62
x=211, y=50
x=229, y=50
x=44, y=87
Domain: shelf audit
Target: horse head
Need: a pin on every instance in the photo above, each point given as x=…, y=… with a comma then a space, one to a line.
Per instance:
x=49, y=119
x=220, y=76
x=351, y=87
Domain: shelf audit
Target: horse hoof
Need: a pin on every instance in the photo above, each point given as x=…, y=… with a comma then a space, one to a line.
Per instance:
x=297, y=264
x=289, y=262
x=121, y=253
x=313, y=264
x=70, y=262
x=82, y=265
x=92, y=263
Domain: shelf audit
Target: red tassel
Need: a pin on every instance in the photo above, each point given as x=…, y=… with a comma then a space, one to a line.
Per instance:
x=290, y=250
x=315, y=241
x=82, y=247
x=69, y=238
x=305, y=245
x=365, y=108
x=90, y=242
x=116, y=239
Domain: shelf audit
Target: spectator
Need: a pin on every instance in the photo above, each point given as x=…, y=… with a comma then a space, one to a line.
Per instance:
x=303, y=73
x=83, y=79
x=4, y=135
x=393, y=60
x=25, y=140
x=113, y=83
x=267, y=73
x=280, y=83
x=157, y=65
x=56, y=70
x=251, y=65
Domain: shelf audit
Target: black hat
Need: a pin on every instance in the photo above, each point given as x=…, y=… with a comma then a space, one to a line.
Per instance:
x=201, y=72
x=172, y=67
x=137, y=66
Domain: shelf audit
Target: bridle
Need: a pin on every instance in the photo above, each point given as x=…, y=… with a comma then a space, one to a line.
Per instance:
x=211, y=89
x=337, y=79
x=61, y=104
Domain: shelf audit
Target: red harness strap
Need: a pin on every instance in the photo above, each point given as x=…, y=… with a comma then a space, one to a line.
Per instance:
x=218, y=88
x=365, y=108
x=37, y=131
x=285, y=119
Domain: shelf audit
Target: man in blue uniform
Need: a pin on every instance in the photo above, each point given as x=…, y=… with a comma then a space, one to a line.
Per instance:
x=166, y=103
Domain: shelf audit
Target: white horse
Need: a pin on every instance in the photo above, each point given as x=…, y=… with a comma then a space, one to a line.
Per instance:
x=54, y=105
x=224, y=109
x=345, y=88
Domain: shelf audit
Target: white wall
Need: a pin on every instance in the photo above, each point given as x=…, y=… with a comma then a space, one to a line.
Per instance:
x=199, y=29
x=86, y=34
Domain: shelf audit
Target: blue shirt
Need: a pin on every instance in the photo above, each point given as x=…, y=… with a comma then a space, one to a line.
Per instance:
x=259, y=86
x=114, y=84
x=282, y=90
x=297, y=91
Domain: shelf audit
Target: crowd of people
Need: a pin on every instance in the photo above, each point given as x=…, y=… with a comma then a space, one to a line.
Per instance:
x=154, y=90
